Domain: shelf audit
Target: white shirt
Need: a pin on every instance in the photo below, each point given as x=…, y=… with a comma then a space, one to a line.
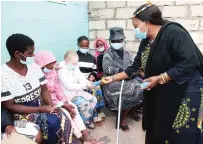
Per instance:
x=21, y=88
x=72, y=81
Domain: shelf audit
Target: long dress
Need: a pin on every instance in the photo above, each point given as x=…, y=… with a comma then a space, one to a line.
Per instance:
x=113, y=63
x=172, y=112
x=26, y=90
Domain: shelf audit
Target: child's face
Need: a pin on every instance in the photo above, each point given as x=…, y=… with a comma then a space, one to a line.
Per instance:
x=91, y=78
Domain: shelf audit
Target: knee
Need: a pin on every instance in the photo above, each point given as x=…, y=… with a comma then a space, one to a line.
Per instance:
x=53, y=120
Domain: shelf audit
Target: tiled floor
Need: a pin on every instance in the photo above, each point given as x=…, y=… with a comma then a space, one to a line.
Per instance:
x=108, y=132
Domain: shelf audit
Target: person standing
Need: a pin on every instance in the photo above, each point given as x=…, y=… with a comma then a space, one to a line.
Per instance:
x=173, y=66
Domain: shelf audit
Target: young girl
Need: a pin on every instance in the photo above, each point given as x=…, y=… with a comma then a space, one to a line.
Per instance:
x=97, y=92
x=73, y=85
x=47, y=61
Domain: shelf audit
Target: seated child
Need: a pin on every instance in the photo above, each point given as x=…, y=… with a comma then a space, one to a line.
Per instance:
x=97, y=92
x=73, y=83
x=46, y=61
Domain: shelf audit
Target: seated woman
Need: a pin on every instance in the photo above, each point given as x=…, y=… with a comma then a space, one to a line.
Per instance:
x=116, y=60
x=86, y=63
x=25, y=94
x=101, y=46
x=47, y=61
x=99, y=116
x=73, y=84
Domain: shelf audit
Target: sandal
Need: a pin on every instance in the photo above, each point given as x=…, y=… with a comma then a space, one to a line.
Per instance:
x=125, y=128
x=102, y=116
x=98, y=121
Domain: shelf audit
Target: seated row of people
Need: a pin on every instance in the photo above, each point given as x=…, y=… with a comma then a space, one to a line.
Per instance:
x=25, y=92
x=65, y=98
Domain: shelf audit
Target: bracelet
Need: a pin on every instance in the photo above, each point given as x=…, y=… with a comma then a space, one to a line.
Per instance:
x=164, y=77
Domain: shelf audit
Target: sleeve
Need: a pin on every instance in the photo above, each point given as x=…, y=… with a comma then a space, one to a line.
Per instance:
x=68, y=81
x=184, y=56
x=40, y=74
x=60, y=96
x=6, y=119
x=5, y=91
x=137, y=61
x=107, y=67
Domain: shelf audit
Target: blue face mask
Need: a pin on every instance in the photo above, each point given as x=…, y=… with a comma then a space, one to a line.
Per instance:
x=28, y=61
x=139, y=34
x=46, y=70
x=84, y=51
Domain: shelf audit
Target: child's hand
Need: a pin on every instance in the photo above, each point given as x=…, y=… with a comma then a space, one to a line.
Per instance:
x=92, y=87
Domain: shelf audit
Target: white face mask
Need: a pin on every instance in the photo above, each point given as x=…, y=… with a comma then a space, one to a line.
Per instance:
x=84, y=51
x=28, y=60
x=71, y=66
x=46, y=70
x=117, y=46
x=101, y=49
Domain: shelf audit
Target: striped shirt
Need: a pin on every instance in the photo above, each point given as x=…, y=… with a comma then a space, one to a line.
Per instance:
x=87, y=63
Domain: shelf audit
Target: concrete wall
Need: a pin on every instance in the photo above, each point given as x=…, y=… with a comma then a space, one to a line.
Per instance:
x=104, y=15
x=52, y=26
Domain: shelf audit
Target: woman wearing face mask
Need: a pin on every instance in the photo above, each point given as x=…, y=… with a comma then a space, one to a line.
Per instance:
x=25, y=94
x=87, y=62
x=173, y=65
x=101, y=46
x=116, y=60
x=46, y=60
x=73, y=85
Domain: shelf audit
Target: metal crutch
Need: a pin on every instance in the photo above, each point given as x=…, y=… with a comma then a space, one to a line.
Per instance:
x=119, y=112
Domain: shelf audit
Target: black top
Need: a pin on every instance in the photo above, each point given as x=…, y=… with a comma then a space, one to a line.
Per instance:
x=174, y=52
x=6, y=119
x=99, y=63
x=87, y=62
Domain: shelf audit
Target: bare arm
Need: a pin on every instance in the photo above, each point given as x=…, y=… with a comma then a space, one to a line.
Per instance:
x=20, y=109
x=120, y=76
x=46, y=95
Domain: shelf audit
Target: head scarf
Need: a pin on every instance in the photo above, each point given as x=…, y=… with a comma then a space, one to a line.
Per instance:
x=44, y=57
x=97, y=53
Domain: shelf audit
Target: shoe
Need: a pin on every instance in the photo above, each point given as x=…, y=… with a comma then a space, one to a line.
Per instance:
x=102, y=116
x=91, y=125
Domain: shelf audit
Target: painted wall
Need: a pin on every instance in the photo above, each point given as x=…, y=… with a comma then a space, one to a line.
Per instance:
x=52, y=26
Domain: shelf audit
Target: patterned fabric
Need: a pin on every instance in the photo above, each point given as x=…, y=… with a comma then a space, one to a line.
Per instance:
x=97, y=92
x=144, y=57
x=189, y=115
x=84, y=107
x=200, y=117
x=26, y=90
x=131, y=95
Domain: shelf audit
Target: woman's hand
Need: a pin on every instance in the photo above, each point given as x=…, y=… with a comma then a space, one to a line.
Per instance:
x=153, y=81
x=71, y=109
x=9, y=129
x=107, y=80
